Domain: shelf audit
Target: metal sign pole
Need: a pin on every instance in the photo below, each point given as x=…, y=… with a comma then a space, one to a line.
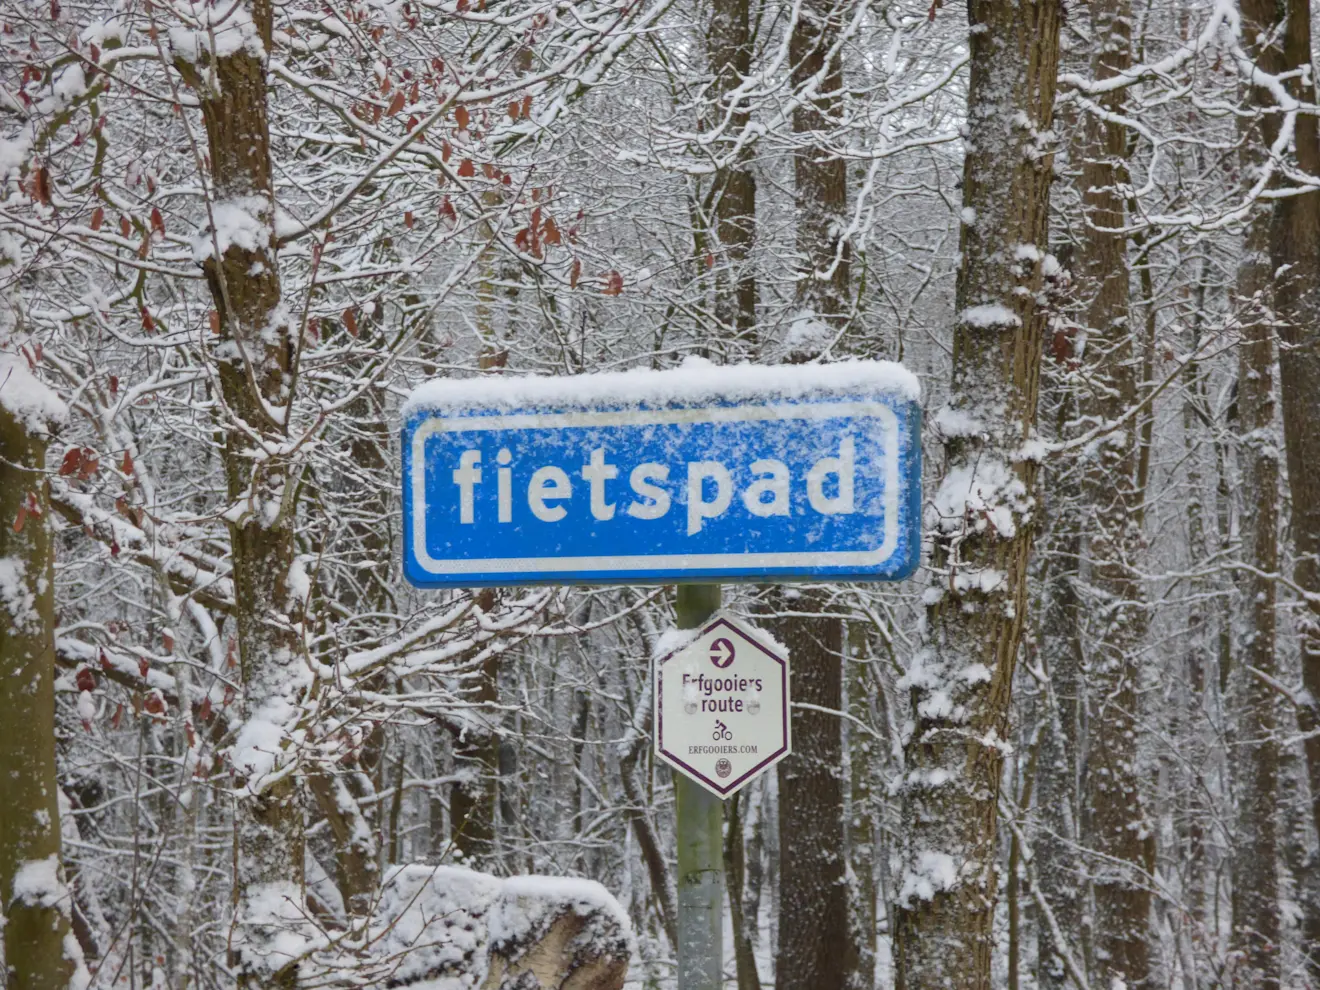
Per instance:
x=700, y=844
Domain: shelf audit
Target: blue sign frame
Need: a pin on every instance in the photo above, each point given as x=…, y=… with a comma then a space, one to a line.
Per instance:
x=654, y=481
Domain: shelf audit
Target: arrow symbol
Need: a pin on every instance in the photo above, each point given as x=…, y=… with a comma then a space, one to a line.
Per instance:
x=721, y=653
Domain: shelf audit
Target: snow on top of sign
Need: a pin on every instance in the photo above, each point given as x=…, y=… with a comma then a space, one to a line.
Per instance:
x=696, y=380
x=673, y=640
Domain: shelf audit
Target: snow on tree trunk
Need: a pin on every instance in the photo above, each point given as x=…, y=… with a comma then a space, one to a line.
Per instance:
x=1115, y=825
x=961, y=679
x=255, y=363
x=40, y=952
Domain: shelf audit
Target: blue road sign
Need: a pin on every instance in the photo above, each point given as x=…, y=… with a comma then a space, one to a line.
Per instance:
x=702, y=473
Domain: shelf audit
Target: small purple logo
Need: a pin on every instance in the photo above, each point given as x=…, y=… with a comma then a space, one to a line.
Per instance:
x=721, y=653
x=723, y=768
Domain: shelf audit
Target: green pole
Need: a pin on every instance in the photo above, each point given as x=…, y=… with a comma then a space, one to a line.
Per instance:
x=700, y=844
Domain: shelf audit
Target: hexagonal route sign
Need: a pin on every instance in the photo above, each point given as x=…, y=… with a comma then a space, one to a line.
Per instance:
x=721, y=706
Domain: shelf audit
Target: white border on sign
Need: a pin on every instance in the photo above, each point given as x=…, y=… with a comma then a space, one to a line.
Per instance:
x=637, y=417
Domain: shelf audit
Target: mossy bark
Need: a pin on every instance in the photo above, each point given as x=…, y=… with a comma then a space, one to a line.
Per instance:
x=37, y=939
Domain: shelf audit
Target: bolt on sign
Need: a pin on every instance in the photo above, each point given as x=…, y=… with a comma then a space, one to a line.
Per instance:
x=721, y=706
x=702, y=473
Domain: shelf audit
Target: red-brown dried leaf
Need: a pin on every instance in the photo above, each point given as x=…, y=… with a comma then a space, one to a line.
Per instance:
x=98, y=217
x=20, y=519
x=204, y=710
x=213, y=318
x=467, y=169
x=125, y=228
x=40, y=185
x=462, y=117
x=148, y=324
x=550, y=232
x=91, y=463
x=350, y=321
x=143, y=667
x=85, y=679
x=575, y=273
x=613, y=284
x=72, y=461
x=157, y=221
x=408, y=219
x=397, y=103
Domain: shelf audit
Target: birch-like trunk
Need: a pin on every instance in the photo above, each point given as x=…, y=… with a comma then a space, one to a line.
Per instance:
x=961, y=679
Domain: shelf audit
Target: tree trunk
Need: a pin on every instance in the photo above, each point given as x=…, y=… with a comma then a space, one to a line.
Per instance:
x=961, y=680
x=1256, y=921
x=729, y=58
x=821, y=180
x=863, y=683
x=815, y=945
x=735, y=872
x=1295, y=259
x=256, y=369
x=474, y=801
x=1058, y=636
x=40, y=953
x=1114, y=824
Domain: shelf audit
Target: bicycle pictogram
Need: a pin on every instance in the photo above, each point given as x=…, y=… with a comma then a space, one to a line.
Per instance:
x=721, y=732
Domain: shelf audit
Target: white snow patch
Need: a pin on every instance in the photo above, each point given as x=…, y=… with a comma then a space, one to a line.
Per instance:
x=259, y=748
x=990, y=316
x=957, y=423
x=221, y=30
x=980, y=494
x=37, y=883
x=16, y=597
x=238, y=223
x=25, y=398
x=934, y=872
x=272, y=927
x=808, y=334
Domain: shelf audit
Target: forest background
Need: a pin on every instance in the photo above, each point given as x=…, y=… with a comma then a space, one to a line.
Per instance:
x=1081, y=747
